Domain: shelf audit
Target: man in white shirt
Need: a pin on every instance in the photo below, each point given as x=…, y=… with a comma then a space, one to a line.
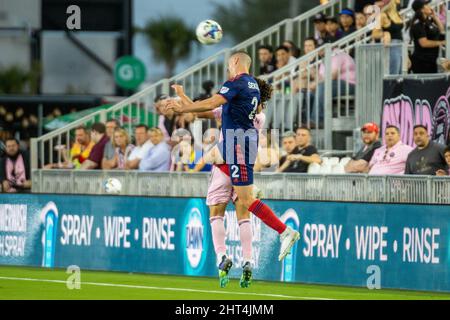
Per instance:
x=143, y=146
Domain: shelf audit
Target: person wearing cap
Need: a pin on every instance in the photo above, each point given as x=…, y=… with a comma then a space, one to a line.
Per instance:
x=347, y=21
x=360, y=161
x=428, y=34
x=320, y=28
x=333, y=31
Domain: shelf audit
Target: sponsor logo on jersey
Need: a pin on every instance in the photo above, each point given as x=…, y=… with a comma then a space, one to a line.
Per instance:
x=224, y=90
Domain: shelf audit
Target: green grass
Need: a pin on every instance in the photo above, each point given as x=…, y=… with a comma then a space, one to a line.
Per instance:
x=114, y=285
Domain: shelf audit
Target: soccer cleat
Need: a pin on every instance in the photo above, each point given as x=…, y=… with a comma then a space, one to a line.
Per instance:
x=246, y=278
x=257, y=192
x=224, y=268
x=288, y=239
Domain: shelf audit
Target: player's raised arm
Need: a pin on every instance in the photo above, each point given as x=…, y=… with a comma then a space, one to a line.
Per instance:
x=199, y=106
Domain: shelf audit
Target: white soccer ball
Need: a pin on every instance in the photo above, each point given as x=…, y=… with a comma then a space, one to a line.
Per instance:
x=112, y=186
x=209, y=32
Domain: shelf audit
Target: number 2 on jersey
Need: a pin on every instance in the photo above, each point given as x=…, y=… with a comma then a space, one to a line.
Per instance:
x=252, y=114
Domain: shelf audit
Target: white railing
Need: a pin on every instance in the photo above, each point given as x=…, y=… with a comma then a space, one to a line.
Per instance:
x=335, y=111
x=359, y=188
x=337, y=108
x=213, y=68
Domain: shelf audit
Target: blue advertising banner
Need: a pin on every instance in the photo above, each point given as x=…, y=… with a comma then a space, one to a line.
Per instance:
x=355, y=244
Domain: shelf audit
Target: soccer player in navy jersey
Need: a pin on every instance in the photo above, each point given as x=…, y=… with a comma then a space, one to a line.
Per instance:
x=240, y=98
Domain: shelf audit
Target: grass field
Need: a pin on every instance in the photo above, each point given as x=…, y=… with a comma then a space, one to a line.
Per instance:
x=36, y=283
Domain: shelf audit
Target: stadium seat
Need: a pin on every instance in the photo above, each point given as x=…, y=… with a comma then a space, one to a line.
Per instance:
x=333, y=161
x=338, y=169
x=345, y=160
x=326, y=168
x=314, y=168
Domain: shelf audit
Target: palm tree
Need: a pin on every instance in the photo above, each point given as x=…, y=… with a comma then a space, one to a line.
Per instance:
x=170, y=40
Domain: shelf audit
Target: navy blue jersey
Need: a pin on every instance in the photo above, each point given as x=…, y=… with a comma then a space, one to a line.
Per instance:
x=243, y=97
x=240, y=137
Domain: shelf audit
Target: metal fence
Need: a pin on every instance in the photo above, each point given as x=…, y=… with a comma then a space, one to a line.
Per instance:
x=329, y=109
x=358, y=188
x=212, y=68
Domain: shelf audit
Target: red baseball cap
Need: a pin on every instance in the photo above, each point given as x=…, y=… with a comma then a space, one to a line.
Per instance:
x=370, y=127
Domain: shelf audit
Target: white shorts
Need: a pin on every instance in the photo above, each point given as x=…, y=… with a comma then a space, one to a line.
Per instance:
x=220, y=189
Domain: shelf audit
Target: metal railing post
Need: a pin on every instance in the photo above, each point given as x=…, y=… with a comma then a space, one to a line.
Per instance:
x=328, y=98
x=34, y=153
x=289, y=30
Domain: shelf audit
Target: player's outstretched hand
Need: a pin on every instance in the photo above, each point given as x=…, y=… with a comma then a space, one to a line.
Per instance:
x=179, y=90
x=175, y=106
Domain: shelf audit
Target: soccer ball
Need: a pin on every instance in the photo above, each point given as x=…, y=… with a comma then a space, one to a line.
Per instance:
x=209, y=32
x=112, y=186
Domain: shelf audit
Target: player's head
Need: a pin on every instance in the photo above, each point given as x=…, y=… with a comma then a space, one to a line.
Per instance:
x=265, y=90
x=239, y=62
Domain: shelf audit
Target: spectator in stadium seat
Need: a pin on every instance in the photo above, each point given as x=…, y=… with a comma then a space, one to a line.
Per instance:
x=347, y=22
x=268, y=154
x=142, y=148
x=302, y=155
x=158, y=157
x=123, y=148
x=267, y=63
x=428, y=34
x=99, y=137
x=294, y=51
x=360, y=161
x=441, y=172
x=333, y=31
x=282, y=56
x=108, y=161
x=306, y=78
x=390, y=159
x=428, y=157
x=390, y=33
x=343, y=75
x=360, y=20
x=15, y=169
x=189, y=156
x=289, y=147
x=79, y=152
x=320, y=28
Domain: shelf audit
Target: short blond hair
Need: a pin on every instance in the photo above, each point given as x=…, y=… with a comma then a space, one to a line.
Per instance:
x=243, y=57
